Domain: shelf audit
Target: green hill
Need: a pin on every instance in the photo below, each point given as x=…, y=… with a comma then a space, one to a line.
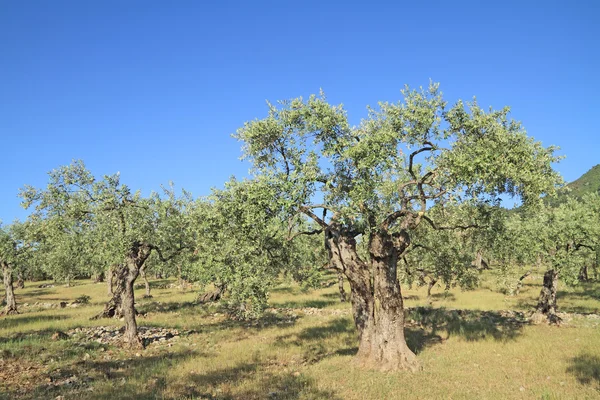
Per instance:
x=587, y=183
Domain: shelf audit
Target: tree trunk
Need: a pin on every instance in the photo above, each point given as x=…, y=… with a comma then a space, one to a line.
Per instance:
x=146, y=283
x=213, y=296
x=377, y=306
x=341, y=287
x=20, y=281
x=116, y=286
x=131, y=338
x=547, y=301
x=99, y=278
x=11, y=303
x=387, y=349
x=583, y=274
x=430, y=286
x=520, y=283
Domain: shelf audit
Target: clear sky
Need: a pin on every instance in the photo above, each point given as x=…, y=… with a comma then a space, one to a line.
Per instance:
x=154, y=89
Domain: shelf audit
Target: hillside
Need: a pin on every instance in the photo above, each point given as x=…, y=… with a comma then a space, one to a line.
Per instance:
x=586, y=183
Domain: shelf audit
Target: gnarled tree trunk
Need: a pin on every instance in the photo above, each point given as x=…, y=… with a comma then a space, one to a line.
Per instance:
x=388, y=349
x=547, y=301
x=116, y=286
x=341, y=287
x=213, y=296
x=11, y=303
x=377, y=305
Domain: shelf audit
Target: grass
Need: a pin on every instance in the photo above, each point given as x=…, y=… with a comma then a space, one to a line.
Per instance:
x=468, y=347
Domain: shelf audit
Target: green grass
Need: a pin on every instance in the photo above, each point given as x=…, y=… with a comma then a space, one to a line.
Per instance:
x=305, y=353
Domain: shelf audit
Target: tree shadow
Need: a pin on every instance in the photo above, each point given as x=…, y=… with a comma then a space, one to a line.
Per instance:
x=147, y=377
x=586, y=368
x=471, y=325
x=267, y=320
x=12, y=321
x=249, y=381
x=160, y=307
x=444, y=296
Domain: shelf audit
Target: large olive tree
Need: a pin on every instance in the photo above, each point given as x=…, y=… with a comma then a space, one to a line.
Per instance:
x=380, y=179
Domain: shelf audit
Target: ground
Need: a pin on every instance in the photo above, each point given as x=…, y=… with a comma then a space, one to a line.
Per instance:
x=473, y=345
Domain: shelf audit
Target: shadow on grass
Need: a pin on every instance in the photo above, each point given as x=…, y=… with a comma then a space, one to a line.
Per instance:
x=20, y=320
x=445, y=296
x=305, y=304
x=147, y=377
x=254, y=381
x=471, y=325
x=586, y=368
x=158, y=307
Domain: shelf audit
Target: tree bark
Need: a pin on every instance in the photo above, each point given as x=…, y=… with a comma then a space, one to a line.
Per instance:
x=341, y=287
x=11, y=303
x=547, y=301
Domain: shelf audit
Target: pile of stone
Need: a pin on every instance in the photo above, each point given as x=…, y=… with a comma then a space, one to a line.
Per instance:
x=62, y=304
x=113, y=334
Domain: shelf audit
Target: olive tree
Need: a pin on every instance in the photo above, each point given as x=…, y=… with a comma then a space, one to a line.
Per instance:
x=569, y=237
x=128, y=228
x=240, y=244
x=13, y=254
x=379, y=181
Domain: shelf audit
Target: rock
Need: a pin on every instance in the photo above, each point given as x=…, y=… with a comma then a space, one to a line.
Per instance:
x=58, y=335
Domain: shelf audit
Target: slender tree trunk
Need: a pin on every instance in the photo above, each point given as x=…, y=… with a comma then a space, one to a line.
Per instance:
x=583, y=274
x=430, y=286
x=11, y=303
x=520, y=283
x=547, y=301
x=341, y=287
x=130, y=337
x=146, y=283
x=20, y=281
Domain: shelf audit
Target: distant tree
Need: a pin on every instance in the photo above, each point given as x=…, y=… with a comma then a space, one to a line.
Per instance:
x=14, y=254
x=569, y=235
x=379, y=182
x=241, y=247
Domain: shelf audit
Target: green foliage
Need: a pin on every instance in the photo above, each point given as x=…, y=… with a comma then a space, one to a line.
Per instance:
x=412, y=162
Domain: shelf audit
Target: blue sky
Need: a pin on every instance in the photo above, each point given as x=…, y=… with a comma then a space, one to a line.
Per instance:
x=154, y=90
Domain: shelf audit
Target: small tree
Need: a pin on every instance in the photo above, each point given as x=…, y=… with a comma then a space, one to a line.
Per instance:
x=15, y=252
x=380, y=180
